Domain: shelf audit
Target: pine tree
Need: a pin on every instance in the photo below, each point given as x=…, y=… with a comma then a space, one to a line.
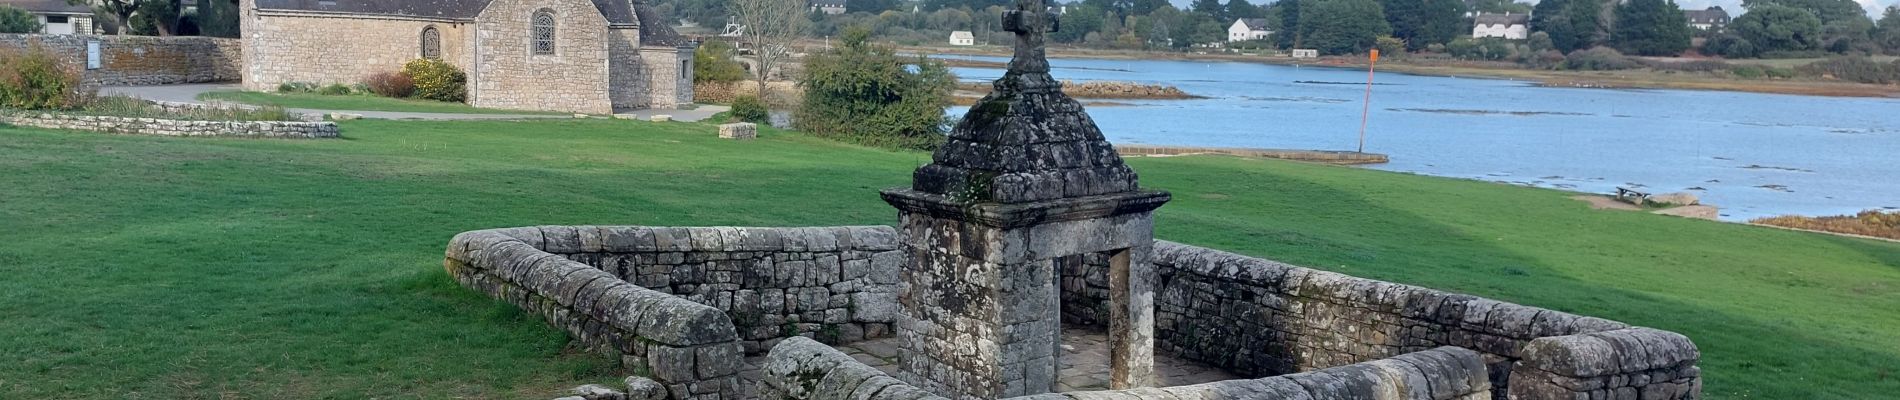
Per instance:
x=1424, y=22
x=1212, y=8
x=1342, y=26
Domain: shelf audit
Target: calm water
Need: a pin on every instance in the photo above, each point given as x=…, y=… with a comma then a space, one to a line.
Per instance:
x=1751, y=154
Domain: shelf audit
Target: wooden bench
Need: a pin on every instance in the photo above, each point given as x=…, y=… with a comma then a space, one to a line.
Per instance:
x=1631, y=196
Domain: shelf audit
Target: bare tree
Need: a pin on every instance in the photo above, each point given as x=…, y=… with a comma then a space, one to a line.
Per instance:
x=770, y=28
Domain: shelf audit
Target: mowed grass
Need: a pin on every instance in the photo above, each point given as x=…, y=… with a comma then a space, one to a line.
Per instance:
x=352, y=102
x=147, y=267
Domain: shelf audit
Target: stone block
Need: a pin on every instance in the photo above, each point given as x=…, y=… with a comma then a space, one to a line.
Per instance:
x=660, y=118
x=739, y=130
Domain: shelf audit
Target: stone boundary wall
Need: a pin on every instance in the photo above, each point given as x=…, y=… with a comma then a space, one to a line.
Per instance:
x=801, y=369
x=1258, y=317
x=172, y=127
x=834, y=284
x=142, y=60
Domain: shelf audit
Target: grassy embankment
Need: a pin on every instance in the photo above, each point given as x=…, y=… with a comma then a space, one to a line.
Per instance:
x=148, y=267
x=353, y=102
x=1629, y=79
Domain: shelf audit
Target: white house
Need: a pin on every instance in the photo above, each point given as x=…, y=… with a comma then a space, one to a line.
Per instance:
x=58, y=16
x=1506, y=25
x=962, y=38
x=1246, y=29
x=1709, y=18
x=829, y=7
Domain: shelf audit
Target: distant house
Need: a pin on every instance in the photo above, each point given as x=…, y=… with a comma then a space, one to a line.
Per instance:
x=1246, y=29
x=962, y=38
x=1705, y=19
x=58, y=16
x=829, y=7
x=1507, y=25
x=1305, y=53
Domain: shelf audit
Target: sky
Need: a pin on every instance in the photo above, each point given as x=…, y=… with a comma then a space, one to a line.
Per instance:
x=1734, y=7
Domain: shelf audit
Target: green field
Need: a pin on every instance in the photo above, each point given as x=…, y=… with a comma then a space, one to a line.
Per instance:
x=351, y=102
x=160, y=268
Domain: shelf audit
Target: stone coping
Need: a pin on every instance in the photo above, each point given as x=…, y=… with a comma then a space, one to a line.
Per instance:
x=803, y=369
x=171, y=127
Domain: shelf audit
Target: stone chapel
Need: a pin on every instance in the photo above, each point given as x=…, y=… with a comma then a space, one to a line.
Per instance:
x=583, y=56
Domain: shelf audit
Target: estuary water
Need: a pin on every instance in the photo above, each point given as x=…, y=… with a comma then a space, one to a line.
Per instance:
x=1753, y=155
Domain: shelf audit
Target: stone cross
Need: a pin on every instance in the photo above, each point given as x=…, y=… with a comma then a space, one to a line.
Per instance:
x=1029, y=21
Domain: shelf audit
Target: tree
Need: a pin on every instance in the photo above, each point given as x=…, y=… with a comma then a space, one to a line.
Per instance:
x=1888, y=35
x=1289, y=11
x=1500, y=7
x=155, y=18
x=1342, y=26
x=1826, y=10
x=865, y=93
x=15, y=20
x=1211, y=8
x=1078, y=23
x=1651, y=28
x=1849, y=34
x=1771, y=27
x=770, y=28
x=1571, y=24
x=1425, y=22
x=218, y=18
x=1242, y=9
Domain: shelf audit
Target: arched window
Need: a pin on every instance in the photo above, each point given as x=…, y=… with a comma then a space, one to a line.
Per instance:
x=544, y=32
x=431, y=43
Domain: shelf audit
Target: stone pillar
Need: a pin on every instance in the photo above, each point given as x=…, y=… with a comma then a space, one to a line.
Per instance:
x=1025, y=179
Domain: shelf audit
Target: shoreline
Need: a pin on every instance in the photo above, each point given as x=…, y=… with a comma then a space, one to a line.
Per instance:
x=1635, y=79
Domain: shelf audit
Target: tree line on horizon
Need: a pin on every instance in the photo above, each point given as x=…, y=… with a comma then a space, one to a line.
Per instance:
x=1769, y=28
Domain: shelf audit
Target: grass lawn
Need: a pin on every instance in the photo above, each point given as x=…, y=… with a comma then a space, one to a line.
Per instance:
x=352, y=102
x=157, y=268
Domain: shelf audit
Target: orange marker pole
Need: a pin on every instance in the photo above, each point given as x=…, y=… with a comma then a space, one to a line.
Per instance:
x=1366, y=111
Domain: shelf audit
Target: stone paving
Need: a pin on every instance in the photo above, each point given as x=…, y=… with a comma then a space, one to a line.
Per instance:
x=1084, y=361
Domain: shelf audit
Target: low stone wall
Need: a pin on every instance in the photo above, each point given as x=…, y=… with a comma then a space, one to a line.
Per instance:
x=689, y=347
x=1258, y=317
x=171, y=127
x=142, y=60
x=685, y=305
x=1636, y=363
x=834, y=284
x=801, y=369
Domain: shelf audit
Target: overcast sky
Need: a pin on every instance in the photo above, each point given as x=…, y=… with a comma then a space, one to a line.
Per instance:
x=1734, y=7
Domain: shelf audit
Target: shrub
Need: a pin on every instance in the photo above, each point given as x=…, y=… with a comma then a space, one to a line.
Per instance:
x=1854, y=69
x=1599, y=59
x=334, y=89
x=36, y=80
x=1545, y=59
x=1730, y=46
x=437, y=80
x=1749, y=71
x=1486, y=49
x=390, y=84
x=1780, y=73
x=750, y=109
x=296, y=87
x=712, y=62
x=15, y=20
x=1390, y=46
x=865, y=93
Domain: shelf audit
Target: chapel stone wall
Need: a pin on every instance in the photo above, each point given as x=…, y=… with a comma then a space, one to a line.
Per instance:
x=669, y=76
x=509, y=75
x=285, y=47
x=627, y=78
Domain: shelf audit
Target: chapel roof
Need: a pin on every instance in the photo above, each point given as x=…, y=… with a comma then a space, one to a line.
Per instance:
x=616, y=11
x=1258, y=24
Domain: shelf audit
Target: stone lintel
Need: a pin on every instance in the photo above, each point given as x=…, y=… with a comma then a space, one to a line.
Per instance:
x=1018, y=215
